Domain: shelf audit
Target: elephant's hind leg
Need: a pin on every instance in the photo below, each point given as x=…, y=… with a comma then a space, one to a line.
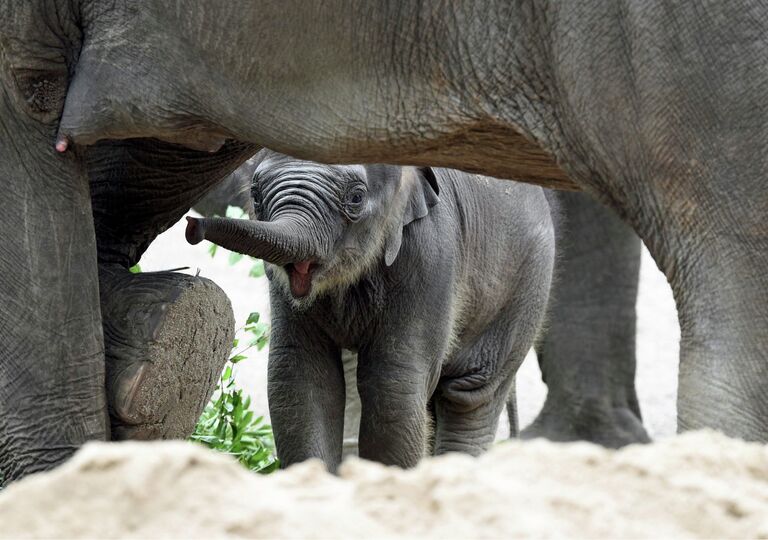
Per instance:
x=587, y=352
x=722, y=298
x=707, y=232
x=466, y=418
x=479, y=381
x=168, y=336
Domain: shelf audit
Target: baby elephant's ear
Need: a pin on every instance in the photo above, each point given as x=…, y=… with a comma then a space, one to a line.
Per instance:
x=418, y=186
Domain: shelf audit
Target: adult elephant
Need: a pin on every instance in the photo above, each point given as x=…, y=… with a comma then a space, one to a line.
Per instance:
x=657, y=109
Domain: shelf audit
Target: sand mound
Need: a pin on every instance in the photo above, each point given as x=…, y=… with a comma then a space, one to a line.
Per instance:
x=699, y=484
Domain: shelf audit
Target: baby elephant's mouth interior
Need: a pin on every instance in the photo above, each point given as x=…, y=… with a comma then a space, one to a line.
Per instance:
x=300, y=276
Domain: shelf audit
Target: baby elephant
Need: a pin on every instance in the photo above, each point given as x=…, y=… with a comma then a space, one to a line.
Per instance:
x=437, y=279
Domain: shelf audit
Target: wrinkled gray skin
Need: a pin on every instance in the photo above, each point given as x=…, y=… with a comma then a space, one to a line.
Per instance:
x=657, y=109
x=234, y=190
x=439, y=297
x=586, y=350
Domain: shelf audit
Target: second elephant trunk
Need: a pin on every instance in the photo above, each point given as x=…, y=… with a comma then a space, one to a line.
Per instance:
x=278, y=242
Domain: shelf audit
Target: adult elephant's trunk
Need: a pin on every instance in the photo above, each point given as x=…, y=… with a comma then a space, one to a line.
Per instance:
x=278, y=242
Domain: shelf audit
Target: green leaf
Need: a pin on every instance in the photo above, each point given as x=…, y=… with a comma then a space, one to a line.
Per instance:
x=227, y=373
x=135, y=269
x=234, y=258
x=238, y=358
x=235, y=212
x=253, y=318
x=227, y=423
x=212, y=250
x=257, y=270
x=257, y=330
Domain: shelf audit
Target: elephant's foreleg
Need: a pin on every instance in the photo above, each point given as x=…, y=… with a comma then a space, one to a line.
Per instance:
x=166, y=335
x=587, y=354
x=52, y=396
x=393, y=427
x=394, y=419
x=306, y=390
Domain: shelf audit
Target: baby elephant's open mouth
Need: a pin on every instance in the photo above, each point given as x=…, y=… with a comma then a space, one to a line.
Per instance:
x=300, y=276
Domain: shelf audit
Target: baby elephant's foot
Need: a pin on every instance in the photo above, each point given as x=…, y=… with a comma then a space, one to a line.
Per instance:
x=591, y=420
x=166, y=337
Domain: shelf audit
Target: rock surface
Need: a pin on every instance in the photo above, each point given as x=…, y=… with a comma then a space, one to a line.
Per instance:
x=696, y=485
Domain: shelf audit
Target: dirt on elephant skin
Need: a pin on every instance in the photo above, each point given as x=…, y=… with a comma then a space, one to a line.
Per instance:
x=696, y=485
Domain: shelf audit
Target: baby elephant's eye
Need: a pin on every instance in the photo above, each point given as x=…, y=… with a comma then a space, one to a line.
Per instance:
x=355, y=202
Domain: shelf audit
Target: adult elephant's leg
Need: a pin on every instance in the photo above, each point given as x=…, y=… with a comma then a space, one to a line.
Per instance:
x=167, y=335
x=143, y=186
x=587, y=355
x=677, y=144
x=723, y=306
x=713, y=248
x=700, y=207
x=51, y=350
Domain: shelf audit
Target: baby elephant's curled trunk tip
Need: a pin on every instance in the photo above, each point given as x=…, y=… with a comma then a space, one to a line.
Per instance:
x=195, y=232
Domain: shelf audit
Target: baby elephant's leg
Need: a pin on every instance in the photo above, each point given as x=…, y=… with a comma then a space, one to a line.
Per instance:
x=467, y=414
x=479, y=380
x=394, y=416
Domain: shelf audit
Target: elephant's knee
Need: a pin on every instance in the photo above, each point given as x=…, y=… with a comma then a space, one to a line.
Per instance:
x=167, y=337
x=393, y=429
x=469, y=391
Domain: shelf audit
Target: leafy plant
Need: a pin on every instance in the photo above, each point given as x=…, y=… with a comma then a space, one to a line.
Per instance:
x=228, y=424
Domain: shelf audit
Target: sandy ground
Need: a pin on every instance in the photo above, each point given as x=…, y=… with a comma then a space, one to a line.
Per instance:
x=657, y=338
x=696, y=485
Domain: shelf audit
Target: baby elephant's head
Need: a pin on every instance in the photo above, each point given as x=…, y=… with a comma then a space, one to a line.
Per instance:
x=321, y=227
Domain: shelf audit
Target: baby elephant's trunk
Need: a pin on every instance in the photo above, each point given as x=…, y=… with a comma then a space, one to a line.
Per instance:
x=278, y=242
